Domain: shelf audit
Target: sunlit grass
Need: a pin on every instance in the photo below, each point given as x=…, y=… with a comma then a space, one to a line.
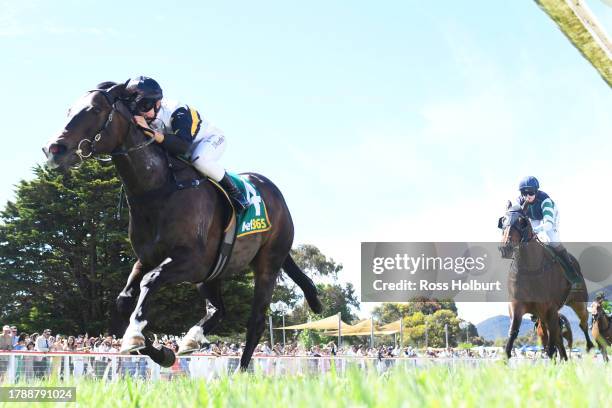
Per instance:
x=579, y=384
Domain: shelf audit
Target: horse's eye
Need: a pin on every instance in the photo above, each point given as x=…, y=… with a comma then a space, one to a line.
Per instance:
x=96, y=109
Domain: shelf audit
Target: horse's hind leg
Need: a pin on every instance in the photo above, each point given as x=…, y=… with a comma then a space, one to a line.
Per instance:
x=582, y=313
x=215, y=311
x=266, y=274
x=603, y=347
x=554, y=336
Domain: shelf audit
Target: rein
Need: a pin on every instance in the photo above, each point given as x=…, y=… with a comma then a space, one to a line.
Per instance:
x=98, y=136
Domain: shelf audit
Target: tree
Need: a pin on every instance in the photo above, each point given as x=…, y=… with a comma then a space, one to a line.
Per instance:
x=65, y=256
x=63, y=251
x=335, y=297
x=310, y=259
x=436, y=328
x=390, y=312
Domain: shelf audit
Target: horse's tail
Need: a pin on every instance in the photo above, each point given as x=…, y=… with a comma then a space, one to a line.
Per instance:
x=305, y=283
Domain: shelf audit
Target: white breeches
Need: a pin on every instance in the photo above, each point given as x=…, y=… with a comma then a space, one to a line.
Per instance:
x=206, y=153
x=550, y=236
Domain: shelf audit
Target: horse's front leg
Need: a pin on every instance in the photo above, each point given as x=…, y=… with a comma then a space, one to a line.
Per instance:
x=126, y=301
x=167, y=271
x=516, y=317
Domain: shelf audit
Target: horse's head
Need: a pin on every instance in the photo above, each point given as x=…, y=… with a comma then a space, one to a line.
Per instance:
x=595, y=309
x=97, y=124
x=516, y=229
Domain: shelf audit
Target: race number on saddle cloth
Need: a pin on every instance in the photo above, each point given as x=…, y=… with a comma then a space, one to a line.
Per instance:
x=252, y=220
x=255, y=218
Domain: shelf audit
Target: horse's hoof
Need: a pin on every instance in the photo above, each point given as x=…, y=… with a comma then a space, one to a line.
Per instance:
x=166, y=359
x=187, y=347
x=132, y=344
x=186, y=352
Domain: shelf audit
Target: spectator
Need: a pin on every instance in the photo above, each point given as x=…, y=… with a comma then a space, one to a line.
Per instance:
x=101, y=362
x=6, y=340
x=21, y=342
x=70, y=344
x=43, y=344
x=15, y=336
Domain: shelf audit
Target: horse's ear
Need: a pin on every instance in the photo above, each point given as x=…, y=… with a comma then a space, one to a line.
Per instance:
x=524, y=207
x=508, y=205
x=117, y=91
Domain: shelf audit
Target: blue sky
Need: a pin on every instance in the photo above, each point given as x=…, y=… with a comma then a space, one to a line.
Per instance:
x=394, y=121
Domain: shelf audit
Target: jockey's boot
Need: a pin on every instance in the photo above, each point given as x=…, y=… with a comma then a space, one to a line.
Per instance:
x=239, y=200
x=570, y=273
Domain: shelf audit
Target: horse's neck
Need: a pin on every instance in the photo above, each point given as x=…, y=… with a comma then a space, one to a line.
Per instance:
x=142, y=170
x=530, y=255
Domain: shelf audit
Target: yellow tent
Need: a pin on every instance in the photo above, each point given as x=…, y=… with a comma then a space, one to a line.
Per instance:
x=394, y=327
x=329, y=323
x=364, y=328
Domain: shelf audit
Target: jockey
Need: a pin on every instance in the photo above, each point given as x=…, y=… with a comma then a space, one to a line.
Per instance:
x=182, y=132
x=606, y=305
x=544, y=218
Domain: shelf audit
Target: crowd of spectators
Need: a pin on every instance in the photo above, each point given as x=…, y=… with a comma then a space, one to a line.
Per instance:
x=48, y=342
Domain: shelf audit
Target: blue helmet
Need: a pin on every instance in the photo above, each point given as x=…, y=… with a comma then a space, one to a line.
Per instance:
x=529, y=183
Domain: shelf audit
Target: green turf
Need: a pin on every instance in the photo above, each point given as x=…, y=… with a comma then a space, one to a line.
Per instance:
x=580, y=384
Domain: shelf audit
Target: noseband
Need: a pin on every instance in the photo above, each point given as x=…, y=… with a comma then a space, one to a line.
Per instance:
x=98, y=136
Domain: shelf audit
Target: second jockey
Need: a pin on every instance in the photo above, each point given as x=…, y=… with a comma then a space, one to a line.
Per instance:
x=182, y=132
x=544, y=218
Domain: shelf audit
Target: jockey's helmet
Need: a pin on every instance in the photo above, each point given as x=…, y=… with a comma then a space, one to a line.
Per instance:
x=144, y=93
x=529, y=183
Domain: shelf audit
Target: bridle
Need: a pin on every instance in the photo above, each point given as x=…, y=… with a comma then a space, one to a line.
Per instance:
x=524, y=232
x=507, y=247
x=113, y=102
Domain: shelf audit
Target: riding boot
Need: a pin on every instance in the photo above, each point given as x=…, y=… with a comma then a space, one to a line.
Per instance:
x=570, y=273
x=239, y=200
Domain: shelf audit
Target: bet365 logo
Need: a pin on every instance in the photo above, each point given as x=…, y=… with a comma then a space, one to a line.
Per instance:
x=255, y=224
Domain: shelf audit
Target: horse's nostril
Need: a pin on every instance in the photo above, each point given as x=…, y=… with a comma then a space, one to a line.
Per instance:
x=56, y=149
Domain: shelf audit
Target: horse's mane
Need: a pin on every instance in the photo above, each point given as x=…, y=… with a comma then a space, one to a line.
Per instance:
x=105, y=85
x=116, y=88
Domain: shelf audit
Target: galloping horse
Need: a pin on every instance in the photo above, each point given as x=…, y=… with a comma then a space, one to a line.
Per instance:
x=565, y=331
x=536, y=282
x=176, y=232
x=602, y=329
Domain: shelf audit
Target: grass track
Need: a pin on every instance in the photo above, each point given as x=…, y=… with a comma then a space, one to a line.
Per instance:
x=580, y=384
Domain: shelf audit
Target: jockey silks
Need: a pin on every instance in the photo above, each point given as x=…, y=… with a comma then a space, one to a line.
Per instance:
x=541, y=206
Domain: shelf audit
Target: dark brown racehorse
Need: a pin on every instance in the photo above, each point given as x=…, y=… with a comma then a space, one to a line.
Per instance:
x=565, y=331
x=176, y=233
x=536, y=282
x=602, y=329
